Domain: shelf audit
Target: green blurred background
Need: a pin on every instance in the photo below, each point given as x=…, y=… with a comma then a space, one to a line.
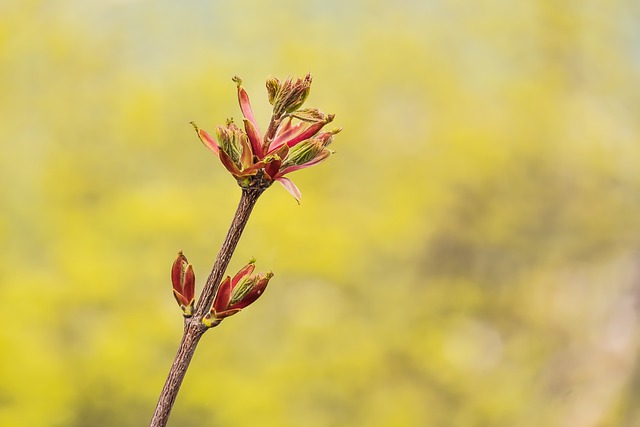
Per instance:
x=469, y=257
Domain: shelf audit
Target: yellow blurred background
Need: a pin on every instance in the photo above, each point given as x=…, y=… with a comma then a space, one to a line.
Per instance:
x=469, y=257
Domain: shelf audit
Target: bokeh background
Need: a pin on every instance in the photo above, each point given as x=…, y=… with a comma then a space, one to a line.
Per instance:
x=469, y=257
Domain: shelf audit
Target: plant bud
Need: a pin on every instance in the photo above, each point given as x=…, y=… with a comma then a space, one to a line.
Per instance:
x=291, y=95
x=230, y=140
x=273, y=86
x=184, y=284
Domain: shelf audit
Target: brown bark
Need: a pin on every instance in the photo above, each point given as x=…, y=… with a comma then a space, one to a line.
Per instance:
x=193, y=327
x=247, y=202
x=190, y=338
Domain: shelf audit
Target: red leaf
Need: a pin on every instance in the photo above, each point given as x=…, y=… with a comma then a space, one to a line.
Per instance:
x=290, y=187
x=223, y=295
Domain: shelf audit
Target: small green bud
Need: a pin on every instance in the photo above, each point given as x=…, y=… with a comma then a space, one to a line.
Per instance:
x=242, y=289
x=312, y=115
x=230, y=140
x=304, y=152
x=290, y=95
x=273, y=86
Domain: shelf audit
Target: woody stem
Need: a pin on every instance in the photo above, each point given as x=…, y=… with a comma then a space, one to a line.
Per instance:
x=248, y=200
x=193, y=326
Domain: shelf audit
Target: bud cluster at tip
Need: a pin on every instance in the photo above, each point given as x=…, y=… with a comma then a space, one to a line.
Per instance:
x=232, y=295
x=294, y=139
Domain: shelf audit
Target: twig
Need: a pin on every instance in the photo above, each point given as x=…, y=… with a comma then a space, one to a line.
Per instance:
x=256, y=163
x=193, y=326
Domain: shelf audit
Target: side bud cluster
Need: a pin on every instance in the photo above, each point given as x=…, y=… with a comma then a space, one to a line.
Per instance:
x=236, y=293
x=233, y=294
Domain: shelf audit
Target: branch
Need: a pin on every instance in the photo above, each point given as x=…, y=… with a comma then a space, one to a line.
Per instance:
x=255, y=163
x=248, y=200
x=193, y=326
